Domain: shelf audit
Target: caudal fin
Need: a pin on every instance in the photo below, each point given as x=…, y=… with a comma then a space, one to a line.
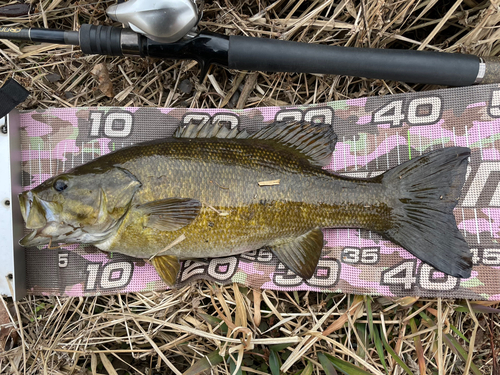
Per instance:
x=425, y=190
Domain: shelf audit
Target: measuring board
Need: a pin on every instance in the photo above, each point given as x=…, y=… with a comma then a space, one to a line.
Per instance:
x=374, y=135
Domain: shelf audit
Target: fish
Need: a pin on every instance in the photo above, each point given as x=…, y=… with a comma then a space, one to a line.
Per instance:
x=210, y=191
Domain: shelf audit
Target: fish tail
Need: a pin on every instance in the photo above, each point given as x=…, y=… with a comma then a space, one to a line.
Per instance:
x=424, y=192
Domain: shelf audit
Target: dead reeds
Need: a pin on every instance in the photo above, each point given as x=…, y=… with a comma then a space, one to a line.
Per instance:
x=231, y=329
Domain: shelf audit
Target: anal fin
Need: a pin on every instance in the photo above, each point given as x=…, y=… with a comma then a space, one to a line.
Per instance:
x=167, y=267
x=300, y=254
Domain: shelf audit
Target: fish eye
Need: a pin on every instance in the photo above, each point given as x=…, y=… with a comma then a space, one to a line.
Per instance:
x=60, y=185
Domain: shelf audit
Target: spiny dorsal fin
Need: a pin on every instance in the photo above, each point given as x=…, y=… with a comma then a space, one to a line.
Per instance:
x=208, y=130
x=315, y=141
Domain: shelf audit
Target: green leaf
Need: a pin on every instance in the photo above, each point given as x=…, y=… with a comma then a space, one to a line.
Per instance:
x=380, y=348
x=308, y=370
x=368, y=302
x=428, y=321
x=204, y=364
x=361, y=328
x=278, y=347
x=274, y=363
x=396, y=357
x=40, y=307
x=460, y=351
x=296, y=296
x=212, y=320
x=482, y=309
x=328, y=366
x=460, y=334
x=232, y=367
x=343, y=366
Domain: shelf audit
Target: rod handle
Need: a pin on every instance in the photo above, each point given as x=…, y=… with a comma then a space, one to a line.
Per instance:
x=451, y=69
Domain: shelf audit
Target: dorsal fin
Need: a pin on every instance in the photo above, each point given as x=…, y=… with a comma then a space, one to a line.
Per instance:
x=314, y=141
x=208, y=130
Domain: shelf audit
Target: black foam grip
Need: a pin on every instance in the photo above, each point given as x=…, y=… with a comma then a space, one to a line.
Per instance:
x=400, y=65
x=100, y=40
x=11, y=94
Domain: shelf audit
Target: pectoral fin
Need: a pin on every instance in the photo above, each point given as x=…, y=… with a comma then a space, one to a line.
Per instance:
x=167, y=267
x=300, y=254
x=170, y=214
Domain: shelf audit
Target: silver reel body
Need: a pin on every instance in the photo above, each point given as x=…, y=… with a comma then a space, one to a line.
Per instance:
x=164, y=21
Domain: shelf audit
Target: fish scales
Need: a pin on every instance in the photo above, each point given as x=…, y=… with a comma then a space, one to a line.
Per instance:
x=197, y=195
x=238, y=215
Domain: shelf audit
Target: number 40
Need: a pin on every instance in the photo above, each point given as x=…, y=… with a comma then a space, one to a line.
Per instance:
x=419, y=111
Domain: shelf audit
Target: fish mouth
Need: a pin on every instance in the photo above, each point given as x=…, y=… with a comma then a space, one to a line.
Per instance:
x=25, y=201
x=51, y=233
x=47, y=227
x=35, y=211
x=34, y=239
x=56, y=232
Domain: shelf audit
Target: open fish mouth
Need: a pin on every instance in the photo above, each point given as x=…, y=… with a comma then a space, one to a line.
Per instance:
x=53, y=232
x=44, y=226
x=36, y=212
x=36, y=236
x=34, y=239
x=25, y=200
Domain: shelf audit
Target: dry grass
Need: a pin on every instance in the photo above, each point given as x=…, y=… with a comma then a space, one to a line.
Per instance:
x=175, y=331
x=257, y=332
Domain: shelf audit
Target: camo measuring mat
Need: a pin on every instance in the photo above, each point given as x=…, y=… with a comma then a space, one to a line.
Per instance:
x=375, y=134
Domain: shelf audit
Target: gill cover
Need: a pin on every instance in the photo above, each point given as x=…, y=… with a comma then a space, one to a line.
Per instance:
x=116, y=193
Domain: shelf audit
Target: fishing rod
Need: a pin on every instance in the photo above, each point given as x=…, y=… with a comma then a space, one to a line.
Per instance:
x=167, y=29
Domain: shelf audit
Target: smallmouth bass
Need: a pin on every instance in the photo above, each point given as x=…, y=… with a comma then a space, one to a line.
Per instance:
x=205, y=193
